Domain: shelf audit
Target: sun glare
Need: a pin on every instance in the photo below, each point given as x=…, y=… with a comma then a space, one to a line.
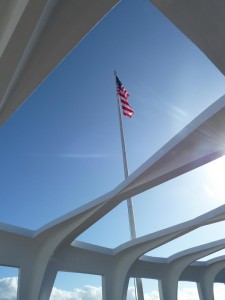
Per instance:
x=215, y=179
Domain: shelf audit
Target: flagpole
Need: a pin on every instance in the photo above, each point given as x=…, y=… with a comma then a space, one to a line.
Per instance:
x=140, y=292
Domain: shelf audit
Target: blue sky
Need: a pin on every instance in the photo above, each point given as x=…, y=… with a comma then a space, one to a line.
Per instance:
x=62, y=149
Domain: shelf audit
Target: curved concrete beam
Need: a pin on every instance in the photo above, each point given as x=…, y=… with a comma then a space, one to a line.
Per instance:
x=204, y=134
x=199, y=142
x=168, y=284
x=38, y=255
x=36, y=258
x=207, y=279
x=115, y=268
x=83, y=257
x=220, y=277
x=125, y=255
x=36, y=36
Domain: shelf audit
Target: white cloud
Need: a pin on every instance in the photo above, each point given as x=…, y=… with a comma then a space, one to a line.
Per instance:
x=94, y=293
x=8, y=290
x=86, y=293
x=219, y=290
x=188, y=294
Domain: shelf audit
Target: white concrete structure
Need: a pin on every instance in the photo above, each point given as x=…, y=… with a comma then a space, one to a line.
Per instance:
x=34, y=37
x=40, y=254
x=207, y=278
x=202, y=21
x=168, y=282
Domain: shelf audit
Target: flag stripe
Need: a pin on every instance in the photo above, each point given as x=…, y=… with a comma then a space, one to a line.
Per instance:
x=127, y=109
x=123, y=96
x=128, y=115
x=124, y=101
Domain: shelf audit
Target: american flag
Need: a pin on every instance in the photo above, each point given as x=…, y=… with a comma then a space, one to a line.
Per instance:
x=123, y=96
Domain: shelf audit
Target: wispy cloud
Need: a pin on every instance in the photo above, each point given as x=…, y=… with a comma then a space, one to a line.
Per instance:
x=70, y=155
x=82, y=156
x=177, y=112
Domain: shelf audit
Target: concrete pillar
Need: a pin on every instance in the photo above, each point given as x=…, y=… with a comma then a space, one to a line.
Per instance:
x=206, y=281
x=177, y=263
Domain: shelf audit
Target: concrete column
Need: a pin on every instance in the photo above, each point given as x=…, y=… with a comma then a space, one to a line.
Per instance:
x=205, y=290
x=206, y=281
x=37, y=265
x=177, y=263
x=127, y=254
